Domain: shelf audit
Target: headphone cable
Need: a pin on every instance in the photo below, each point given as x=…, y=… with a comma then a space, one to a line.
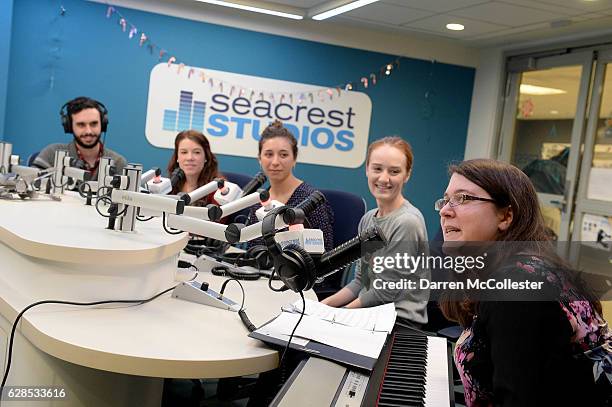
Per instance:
x=280, y=364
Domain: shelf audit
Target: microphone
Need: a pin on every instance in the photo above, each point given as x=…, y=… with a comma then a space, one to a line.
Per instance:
x=299, y=271
x=77, y=173
x=368, y=242
x=304, y=208
x=230, y=192
x=244, y=202
x=198, y=227
x=214, y=212
x=256, y=182
x=148, y=201
x=266, y=207
x=149, y=175
x=204, y=190
x=237, y=232
x=26, y=172
x=177, y=176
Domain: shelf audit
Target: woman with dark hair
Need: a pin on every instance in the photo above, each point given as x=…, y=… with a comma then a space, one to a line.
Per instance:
x=528, y=350
x=193, y=155
x=277, y=156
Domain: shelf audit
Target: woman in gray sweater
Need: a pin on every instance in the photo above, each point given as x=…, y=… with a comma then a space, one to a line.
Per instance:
x=388, y=168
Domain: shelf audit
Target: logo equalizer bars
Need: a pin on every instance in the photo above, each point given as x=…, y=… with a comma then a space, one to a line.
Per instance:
x=190, y=114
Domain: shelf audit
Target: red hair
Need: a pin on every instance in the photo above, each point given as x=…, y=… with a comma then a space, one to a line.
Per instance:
x=397, y=142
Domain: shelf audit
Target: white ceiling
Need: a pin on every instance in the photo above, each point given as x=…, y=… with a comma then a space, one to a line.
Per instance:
x=487, y=22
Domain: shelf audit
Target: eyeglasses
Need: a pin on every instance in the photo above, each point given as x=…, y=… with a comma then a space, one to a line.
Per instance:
x=457, y=200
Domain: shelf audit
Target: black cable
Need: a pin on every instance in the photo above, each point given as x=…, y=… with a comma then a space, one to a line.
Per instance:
x=280, y=364
x=278, y=290
x=143, y=219
x=172, y=232
x=80, y=188
x=85, y=304
x=241, y=313
x=241, y=287
x=108, y=200
x=63, y=184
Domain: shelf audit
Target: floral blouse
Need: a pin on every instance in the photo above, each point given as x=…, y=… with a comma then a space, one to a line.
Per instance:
x=524, y=353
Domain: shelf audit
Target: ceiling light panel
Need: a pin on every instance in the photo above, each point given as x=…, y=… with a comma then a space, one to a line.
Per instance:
x=335, y=8
x=535, y=90
x=257, y=7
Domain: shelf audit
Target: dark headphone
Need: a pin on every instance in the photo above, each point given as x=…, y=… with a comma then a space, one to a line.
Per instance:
x=76, y=105
x=294, y=265
x=256, y=256
x=208, y=246
x=225, y=271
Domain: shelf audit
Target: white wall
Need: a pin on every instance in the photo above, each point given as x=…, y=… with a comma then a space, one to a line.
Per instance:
x=484, y=116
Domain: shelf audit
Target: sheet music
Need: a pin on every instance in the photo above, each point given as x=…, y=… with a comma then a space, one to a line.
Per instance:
x=380, y=318
x=355, y=340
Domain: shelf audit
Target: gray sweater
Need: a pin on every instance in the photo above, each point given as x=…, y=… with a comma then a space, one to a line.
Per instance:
x=405, y=231
x=46, y=157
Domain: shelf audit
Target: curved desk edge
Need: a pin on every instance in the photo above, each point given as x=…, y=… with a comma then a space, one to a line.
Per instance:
x=150, y=367
x=82, y=255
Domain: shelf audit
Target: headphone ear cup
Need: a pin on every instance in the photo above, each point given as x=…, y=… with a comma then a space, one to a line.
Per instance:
x=104, y=121
x=306, y=263
x=65, y=119
x=261, y=256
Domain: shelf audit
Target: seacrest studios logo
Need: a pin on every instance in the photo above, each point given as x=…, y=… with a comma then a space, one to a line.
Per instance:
x=330, y=132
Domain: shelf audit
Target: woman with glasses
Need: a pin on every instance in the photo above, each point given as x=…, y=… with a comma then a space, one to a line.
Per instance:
x=519, y=347
x=388, y=169
x=192, y=154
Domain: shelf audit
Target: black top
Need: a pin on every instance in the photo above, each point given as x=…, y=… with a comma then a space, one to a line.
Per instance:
x=321, y=218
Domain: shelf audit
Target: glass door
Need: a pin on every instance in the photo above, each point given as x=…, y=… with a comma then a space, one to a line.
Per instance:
x=592, y=231
x=543, y=126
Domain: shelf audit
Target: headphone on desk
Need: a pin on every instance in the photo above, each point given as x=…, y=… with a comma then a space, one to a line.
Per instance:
x=257, y=256
x=294, y=265
x=80, y=103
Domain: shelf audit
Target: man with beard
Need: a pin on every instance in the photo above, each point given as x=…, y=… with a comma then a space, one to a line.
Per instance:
x=86, y=119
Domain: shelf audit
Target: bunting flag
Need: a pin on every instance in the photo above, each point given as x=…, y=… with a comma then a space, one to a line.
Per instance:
x=367, y=81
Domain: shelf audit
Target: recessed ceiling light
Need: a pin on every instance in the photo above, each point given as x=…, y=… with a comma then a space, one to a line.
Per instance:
x=253, y=8
x=455, y=27
x=321, y=14
x=554, y=112
x=539, y=90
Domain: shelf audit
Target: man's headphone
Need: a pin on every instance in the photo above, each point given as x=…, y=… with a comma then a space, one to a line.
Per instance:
x=76, y=105
x=294, y=265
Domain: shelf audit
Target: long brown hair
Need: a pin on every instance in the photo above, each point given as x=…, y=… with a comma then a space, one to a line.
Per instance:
x=508, y=186
x=211, y=166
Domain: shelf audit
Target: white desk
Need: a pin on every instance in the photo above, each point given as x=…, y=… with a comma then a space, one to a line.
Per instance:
x=114, y=355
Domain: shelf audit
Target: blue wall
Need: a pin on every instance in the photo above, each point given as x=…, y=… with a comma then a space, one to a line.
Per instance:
x=6, y=16
x=54, y=58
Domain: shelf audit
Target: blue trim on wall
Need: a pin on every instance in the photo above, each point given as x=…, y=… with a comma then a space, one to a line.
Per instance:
x=83, y=53
x=6, y=17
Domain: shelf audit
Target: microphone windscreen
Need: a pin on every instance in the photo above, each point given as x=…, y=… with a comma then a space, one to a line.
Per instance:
x=367, y=242
x=257, y=181
x=311, y=203
x=177, y=176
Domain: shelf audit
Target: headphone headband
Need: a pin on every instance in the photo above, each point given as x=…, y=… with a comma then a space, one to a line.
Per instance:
x=294, y=265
